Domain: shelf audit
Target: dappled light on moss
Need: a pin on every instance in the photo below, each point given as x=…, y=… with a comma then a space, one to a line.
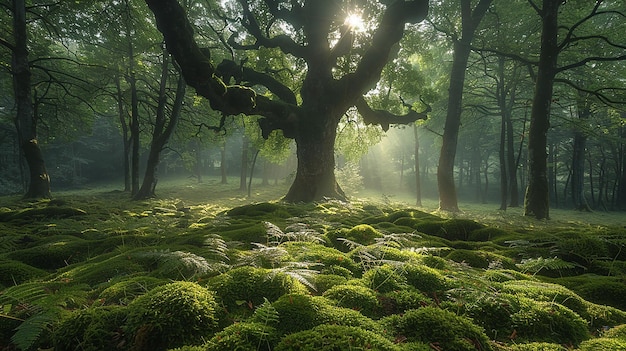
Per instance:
x=273, y=273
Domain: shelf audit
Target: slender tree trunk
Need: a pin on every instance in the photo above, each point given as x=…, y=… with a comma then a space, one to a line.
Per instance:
x=445, y=171
x=512, y=163
x=125, y=139
x=315, y=175
x=536, y=202
x=578, y=159
x=504, y=177
x=621, y=187
x=243, y=175
x=418, y=185
x=223, y=163
x=26, y=120
x=163, y=130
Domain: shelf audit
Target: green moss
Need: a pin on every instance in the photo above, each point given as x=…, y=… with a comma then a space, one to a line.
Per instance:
x=251, y=233
x=547, y=292
x=323, y=282
x=548, y=322
x=127, y=289
x=53, y=253
x=486, y=234
x=94, y=273
x=603, y=344
x=459, y=228
x=244, y=288
x=363, y=234
x=472, y=258
x=538, y=346
x=618, y=332
x=172, y=315
x=503, y=275
x=435, y=262
x=326, y=256
x=93, y=329
x=15, y=273
x=384, y=278
x=243, y=336
x=356, y=297
x=424, y=278
x=396, y=302
x=604, y=291
x=334, y=337
x=439, y=327
x=431, y=227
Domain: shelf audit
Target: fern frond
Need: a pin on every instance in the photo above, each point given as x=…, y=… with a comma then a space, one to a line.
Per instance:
x=534, y=265
x=217, y=246
x=29, y=332
x=350, y=243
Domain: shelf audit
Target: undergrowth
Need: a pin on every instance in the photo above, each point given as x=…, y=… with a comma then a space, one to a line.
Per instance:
x=95, y=270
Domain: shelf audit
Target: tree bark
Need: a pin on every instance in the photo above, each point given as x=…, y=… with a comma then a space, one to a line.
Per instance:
x=621, y=187
x=315, y=174
x=163, y=129
x=445, y=171
x=25, y=119
x=125, y=138
x=504, y=177
x=223, y=163
x=536, y=202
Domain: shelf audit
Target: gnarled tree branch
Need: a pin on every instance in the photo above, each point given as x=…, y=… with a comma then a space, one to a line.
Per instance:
x=385, y=118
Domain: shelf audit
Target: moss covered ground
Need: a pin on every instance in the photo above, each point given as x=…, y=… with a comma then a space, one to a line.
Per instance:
x=203, y=267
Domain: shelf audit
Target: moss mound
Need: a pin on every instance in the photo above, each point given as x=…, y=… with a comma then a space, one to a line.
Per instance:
x=16, y=272
x=93, y=329
x=172, y=315
x=358, y=298
x=438, y=327
x=334, y=337
x=243, y=336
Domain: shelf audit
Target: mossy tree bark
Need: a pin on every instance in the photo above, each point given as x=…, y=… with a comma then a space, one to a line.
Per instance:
x=578, y=154
x=324, y=96
x=25, y=119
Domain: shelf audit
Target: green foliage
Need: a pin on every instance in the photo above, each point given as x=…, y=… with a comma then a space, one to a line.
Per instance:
x=356, y=297
x=618, y=332
x=243, y=288
x=172, y=315
x=93, y=329
x=362, y=234
x=396, y=302
x=424, y=278
x=549, y=322
x=459, y=229
x=538, y=346
x=53, y=253
x=327, y=257
x=126, y=290
x=602, y=344
x=244, y=336
x=323, y=282
x=334, y=337
x=439, y=327
x=15, y=272
x=385, y=278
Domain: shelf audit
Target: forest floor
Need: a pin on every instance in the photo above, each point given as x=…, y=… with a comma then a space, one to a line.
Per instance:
x=205, y=267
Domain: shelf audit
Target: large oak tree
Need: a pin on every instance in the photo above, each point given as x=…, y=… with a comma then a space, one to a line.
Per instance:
x=317, y=35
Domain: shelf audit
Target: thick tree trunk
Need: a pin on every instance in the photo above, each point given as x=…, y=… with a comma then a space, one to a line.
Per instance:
x=578, y=160
x=315, y=175
x=536, y=202
x=25, y=120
